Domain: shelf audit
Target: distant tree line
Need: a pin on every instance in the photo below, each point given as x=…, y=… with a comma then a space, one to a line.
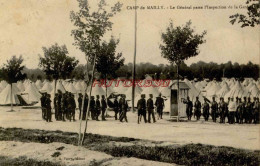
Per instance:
x=197, y=70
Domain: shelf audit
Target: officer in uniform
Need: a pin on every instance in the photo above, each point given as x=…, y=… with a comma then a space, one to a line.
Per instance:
x=124, y=108
x=56, y=105
x=159, y=103
x=84, y=114
x=245, y=115
x=48, y=107
x=150, y=108
x=205, y=110
x=63, y=106
x=103, y=107
x=249, y=110
x=43, y=98
x=189, y=106
x=222, y=110
x=116, y=107
x=256, y=110
x=80, y=98
x=97, y=108
x=92, y=107
x=141, y=106
x=59, y=105
x=214, y=109
x=73, y=106
x=240, y=111
x=236, y=113
x=197, y=108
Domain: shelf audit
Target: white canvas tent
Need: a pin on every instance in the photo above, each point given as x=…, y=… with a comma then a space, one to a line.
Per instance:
x=7, y=98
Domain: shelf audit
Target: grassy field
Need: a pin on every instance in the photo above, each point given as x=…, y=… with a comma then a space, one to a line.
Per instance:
x=24, y=161
x=190, y=154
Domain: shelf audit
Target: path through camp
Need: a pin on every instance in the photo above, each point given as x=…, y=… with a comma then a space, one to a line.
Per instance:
x=244, y=136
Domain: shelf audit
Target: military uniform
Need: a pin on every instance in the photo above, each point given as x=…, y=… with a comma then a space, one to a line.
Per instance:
x=189, y=106
x=256, y=107
x=214, y=109
x=249, y=111
x=116, y=108
x=206, y=111
x=222, y=111
x=56, y=106
x=63, y=106
x=124, y=107
x=92, y=108
x=197, y=109
x=103, y=107
x=141, y=106
x=150, y=108
x=97, y=108
x=48, y=108
x=80, y=98
x=73, y=107
x=85, y=106
x=43, y=98
x=159, y=103
x=240, y=112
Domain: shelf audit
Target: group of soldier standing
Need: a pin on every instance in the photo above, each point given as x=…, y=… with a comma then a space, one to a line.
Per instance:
x=148, y=106
x=235, y=111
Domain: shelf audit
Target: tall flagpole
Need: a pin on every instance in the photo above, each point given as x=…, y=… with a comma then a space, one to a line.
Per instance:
x=133, y=70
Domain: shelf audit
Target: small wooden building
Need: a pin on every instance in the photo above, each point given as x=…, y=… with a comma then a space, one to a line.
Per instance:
x=177, y=107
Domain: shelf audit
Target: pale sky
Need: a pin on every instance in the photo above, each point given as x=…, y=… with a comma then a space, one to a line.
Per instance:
x=28, y=25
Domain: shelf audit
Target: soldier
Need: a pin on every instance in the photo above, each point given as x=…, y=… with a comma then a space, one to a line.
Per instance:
x=92, y=107
x=240, y=111
x=205, y=110
x=256, y=107
x=63, y=106
x=222, y=110
x=141, y=106
x=245, y=116
x=197, y=108
x=159, y=103
x=69, y=106
x=59, y=105
x=56, y=105
x=189, y=106
x=249, y=110
x=43, y=98
x=48, y=107
x=214, y=109
x=103, y=107
x=150, y=108
x=124, y=108
x=85, y=106
x=227, y=109
x=116, y=107
x=232, y=110
x=236, y=113
x=120, y=106
x=97, y=108
x=73, y=106
x=80, y=98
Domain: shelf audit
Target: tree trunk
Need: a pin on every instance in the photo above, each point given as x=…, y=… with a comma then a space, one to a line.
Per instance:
x=82, y=105
x=91, y=82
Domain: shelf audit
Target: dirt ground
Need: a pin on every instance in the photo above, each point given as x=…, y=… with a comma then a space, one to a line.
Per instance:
x=66, y=154
x=245, y=136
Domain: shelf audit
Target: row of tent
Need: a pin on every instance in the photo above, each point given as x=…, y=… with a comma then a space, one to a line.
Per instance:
x=28, y=92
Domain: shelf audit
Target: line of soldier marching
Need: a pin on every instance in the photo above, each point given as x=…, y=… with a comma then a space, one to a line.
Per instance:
x=234, y=111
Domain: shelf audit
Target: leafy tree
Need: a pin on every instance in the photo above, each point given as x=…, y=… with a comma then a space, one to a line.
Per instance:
x=252, y=17
x=56, y=63
x=180, y=43
x=91, y=27
x=108, y=62
x=12, y=72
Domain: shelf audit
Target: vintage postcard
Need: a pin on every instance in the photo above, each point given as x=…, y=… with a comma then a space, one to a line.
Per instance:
x=129, y=82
